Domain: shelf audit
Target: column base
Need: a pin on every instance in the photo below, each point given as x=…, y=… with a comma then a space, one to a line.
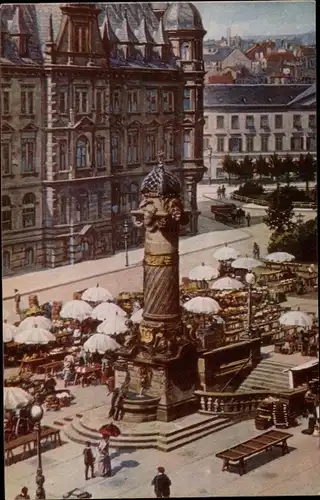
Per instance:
x=167, y=413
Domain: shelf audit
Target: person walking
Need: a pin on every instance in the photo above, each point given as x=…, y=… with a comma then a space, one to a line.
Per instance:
x=88, y=461
x=17, y=300
x=223, y=191
x=219, y=193
x=104, y=457
x=161, y=483
x=248, y=217
x=23, y=495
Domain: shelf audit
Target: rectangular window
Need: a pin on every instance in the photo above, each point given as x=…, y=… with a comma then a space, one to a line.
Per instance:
x=63, y=160
x=235, y=122
x=278, y=121
x=63, y=102
x=28, y=216
x=6, y=218
x=6, y=158
x=220, y=122
x=81, y=101
x=206, y=122
x=151, y=148
x=81, y=38
x=116, y=103
x=206, y=143
x=249, y=144
x=249, y=121
x=265, y=143
x=132, y=101
x=311, y=143
x=100, y=101
x=235, y=144
x=168, y=104
x=187, y=150
x=296, y=121
x=151, y=98
x=115, y=149
x=6, y=104
x=168, y=145
x=28, y=155
x=264, y=121
x=312, y=121
x=296, y=143
x=100, y=151
x=220, y=144
x=187, y=100
x=27, y=102
x=133, y=145
x=279, y=142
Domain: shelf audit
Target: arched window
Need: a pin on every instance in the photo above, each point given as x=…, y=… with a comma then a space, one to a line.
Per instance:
x=6, y=259
x=84, y=205
x=134, y=192
x=82, y=153
x=100, y=151
x=6, y=215
x=29, y=256
x=185, y=51
x=29, y=210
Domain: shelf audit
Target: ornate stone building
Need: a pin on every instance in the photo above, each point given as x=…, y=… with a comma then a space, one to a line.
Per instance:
x=89, y=94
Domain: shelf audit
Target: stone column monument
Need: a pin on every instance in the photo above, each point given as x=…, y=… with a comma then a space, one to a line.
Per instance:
x=162, y=349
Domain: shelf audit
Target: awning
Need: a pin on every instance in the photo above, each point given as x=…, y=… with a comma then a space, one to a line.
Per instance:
x=308, y=364
x=85, y=229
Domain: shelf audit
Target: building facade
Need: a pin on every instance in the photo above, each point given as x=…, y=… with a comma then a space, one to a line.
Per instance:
x=257, y=120
x=90, y=93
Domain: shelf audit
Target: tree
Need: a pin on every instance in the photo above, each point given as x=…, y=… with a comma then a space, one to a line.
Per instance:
x=288, y=167
x=230, y=166
x=276, y=168
x=306, y=169
x=279, y=212
x=262, y=167
x=301, y=241
x=246, y=169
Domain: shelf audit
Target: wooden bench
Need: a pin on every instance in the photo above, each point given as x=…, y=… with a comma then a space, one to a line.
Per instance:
x=263, y=442
x=52, y=367
x=30, y=439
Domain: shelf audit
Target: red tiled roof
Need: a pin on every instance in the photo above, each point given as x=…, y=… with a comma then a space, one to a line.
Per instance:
x=221, y=78
x=276, y=56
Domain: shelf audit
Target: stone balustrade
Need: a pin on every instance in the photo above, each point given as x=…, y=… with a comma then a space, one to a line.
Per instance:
x=230, y=403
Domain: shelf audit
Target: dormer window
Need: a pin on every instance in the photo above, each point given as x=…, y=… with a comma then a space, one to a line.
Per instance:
x=81, y=38
x=23, y=45
x=185, y=51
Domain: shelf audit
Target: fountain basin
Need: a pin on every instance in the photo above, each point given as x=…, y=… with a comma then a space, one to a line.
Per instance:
x=138, y=408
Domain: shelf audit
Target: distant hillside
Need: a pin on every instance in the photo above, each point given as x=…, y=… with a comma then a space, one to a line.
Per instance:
x=308, y=38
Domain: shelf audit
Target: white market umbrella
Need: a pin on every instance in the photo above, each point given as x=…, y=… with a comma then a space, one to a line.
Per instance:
x=296, y=318
x=34, y=336
x=101, y=343
x=226, y=253
x=76, y=309
x=11, y=317
x=203, y=273
x=227, y=284
x=15, y=397
x=106, y=310
x=202, y=305
x=246, y=263
x=280, y=257
x=137, y=316
x=116, y=324
x=32, y=321
x=97, y=294
x=9, y=332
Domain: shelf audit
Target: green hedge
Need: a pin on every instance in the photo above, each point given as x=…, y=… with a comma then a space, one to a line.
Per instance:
x=300, y=242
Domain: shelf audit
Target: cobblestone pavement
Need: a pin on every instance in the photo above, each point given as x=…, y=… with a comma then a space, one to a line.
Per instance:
x=193, y=469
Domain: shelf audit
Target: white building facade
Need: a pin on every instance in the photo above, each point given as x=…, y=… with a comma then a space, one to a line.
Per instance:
x=256, y=120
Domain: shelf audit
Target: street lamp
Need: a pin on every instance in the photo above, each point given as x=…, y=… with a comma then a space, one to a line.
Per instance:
x=210, y=158
x=250, y=279
x=126, y=234
x=36, y=413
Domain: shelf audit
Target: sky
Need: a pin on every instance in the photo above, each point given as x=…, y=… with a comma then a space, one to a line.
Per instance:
x=285, y=17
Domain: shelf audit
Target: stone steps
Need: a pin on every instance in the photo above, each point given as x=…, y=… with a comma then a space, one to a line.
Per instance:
x=268, y=375
x=80, y=433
